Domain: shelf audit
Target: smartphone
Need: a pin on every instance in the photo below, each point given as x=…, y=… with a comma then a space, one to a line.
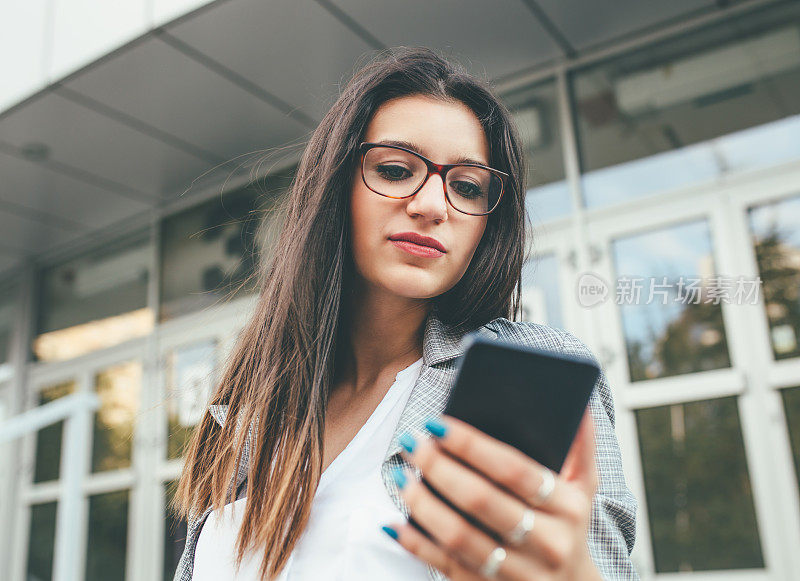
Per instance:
x=529, y=398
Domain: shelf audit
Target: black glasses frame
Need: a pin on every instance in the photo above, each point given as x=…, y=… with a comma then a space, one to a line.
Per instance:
x=433, y=168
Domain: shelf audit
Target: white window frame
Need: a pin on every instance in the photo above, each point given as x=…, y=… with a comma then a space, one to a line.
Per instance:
x=753, y=376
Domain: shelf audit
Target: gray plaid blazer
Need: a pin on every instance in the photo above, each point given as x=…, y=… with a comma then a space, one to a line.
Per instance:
x=613, y=520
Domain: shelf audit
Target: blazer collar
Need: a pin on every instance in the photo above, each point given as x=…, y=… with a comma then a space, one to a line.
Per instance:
x=441, y=343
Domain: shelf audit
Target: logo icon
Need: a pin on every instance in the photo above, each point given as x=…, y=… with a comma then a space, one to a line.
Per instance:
x=592, y=289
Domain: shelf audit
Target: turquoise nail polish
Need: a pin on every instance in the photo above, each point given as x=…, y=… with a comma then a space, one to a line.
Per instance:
x=435, y=427
x=407, y=441
x=390, y=531
x=399, y=478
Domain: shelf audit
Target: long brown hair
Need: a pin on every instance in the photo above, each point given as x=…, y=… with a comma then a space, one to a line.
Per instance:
x=277, y=377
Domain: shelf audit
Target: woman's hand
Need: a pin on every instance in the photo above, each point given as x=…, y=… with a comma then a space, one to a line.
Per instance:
x=495, y=483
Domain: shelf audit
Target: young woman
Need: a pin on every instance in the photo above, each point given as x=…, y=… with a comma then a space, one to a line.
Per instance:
x=404, y=230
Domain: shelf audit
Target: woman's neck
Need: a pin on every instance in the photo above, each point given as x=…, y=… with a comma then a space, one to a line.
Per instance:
x=382, y=335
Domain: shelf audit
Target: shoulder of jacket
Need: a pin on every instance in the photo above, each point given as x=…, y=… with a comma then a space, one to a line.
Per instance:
x=541, y=336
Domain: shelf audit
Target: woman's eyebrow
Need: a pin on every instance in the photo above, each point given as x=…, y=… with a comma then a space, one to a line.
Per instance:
x=414, y=147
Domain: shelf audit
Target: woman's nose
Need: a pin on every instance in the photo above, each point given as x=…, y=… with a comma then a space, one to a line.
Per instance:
x=430, y=199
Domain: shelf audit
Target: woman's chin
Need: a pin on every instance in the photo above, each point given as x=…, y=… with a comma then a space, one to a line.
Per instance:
x=416, y=288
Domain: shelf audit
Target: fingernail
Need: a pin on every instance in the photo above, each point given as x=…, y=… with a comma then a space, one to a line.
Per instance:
x=435, y=427
x=399, y=478
x=408, y=442
x=390, y=531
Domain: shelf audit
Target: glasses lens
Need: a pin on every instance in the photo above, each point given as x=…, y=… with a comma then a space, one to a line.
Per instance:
x=473, y=190
x=397, y=173
x=393, y=172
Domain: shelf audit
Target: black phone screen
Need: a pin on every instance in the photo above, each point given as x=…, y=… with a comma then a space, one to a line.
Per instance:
x=530, y=398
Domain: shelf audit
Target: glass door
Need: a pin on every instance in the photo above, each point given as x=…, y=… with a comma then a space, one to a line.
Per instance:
x=677, y=319
x=39, y=479
x=114, y=436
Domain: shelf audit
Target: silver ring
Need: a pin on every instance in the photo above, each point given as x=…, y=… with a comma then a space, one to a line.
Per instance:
x=524, y=526
x=493, y=562
x=546, y=487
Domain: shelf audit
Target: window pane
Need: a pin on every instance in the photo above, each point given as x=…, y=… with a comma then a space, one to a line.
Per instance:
x=791, y=404
x=535, y=109
x=174, y=534
x=48, y=440
x=95, y=301
x=541, y=296
x=664, y=291
x=776, y=236
x=210, y=250
x=699, y=499
x=722, y=99
x=118, y=388
x=548, y=202
x=41, y=542
x=190, y=374
x=107, y=544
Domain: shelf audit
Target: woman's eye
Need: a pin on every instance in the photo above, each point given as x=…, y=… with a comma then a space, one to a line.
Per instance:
x=466, y=189
x=393, y=172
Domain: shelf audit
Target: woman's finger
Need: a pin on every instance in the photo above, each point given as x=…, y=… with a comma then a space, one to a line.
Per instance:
x=451, y=531
x=481, y=499
x=507, y=466
x=428, y=551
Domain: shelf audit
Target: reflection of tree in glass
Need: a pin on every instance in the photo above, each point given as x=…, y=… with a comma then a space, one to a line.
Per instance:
x=779, y=268
x=179, y=436
x=174, y=533
x=108, y=537
x=118, y=389
x=692, y=341
x=637, y=361
x=643, y=365
x=48, y=439
x=41, y=541
x=791, y=405
x=697, y=486
x=695, y=340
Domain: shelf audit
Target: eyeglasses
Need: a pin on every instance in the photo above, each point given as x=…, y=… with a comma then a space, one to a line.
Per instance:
x=397, y=172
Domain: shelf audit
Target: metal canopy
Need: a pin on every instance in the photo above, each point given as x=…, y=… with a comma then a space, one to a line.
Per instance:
x=127, y=134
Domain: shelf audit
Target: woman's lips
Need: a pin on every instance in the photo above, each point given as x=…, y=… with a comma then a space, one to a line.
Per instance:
x=417, y=249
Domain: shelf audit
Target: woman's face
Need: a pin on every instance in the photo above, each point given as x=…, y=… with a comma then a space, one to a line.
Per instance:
x=444, y=132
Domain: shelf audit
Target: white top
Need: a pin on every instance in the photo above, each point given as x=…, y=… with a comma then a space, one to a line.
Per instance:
x=343, y=539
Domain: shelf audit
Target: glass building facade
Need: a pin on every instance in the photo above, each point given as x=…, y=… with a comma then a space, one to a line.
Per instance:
x=665, y=173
